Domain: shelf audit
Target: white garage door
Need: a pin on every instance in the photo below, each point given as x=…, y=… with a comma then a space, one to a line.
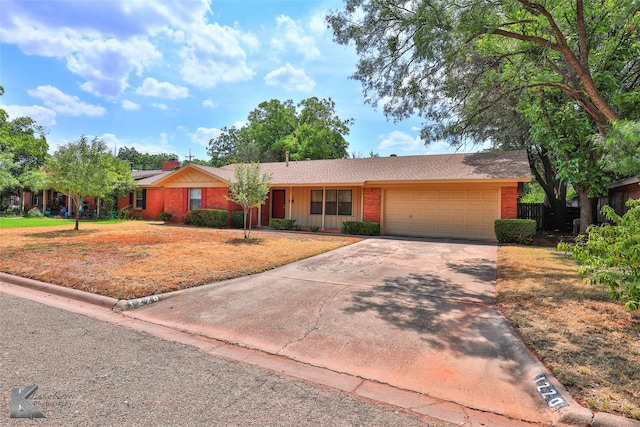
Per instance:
x=436, y=212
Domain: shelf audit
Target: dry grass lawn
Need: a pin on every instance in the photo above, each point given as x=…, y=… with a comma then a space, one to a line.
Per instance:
x=591, y=344
x=134, y=259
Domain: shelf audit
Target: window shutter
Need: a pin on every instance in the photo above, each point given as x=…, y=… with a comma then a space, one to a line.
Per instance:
x=144, y=198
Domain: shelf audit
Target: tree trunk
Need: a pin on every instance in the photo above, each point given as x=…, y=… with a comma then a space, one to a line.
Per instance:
x=586, y=211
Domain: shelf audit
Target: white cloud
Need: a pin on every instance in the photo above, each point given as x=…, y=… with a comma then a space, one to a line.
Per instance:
x=318, y=22
x=160, y=106
x=130, y=105
x=202, y=136
x=65, y=104
x=208, y=103
x=289, y=35
x=401, y=141
x=213, y=55
x=42, y=116
x=154, y=146
x=290, y=78
x=152, y=87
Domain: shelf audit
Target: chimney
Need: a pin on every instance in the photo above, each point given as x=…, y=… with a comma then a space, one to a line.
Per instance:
x=170, y=165
x=286, y=157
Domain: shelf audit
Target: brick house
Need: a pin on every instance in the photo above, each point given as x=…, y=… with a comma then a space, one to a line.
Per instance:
x=619, y=193
x=446, y=196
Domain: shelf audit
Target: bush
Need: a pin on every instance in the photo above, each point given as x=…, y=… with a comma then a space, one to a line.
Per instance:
x=281, y=224
x=609, y=254
x=186, y=219
x=164, y=216
x=209, y=217
x=237, y=218
x=515, y=230
x=123, y=213
x=34, y=213
x=361, y=228
x=314, y=228
x=136, y=216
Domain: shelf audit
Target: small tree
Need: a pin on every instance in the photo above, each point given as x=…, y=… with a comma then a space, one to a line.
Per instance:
x=249, y=189
x=610, y=254
x=86, y=168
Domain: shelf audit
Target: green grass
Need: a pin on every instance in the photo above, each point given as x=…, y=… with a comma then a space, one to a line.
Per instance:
x=18, y=222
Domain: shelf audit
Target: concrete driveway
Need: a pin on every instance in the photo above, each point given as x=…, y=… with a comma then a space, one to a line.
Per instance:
x=414, y=314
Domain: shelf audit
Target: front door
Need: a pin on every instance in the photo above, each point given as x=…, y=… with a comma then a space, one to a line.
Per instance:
x=277, y=204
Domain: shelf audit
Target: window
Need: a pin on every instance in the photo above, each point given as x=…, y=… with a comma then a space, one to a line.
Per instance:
x=331, y=202
x=316, y=202
x=344, y=202
x=141, y=199
x=337, y=202
x=195, y=198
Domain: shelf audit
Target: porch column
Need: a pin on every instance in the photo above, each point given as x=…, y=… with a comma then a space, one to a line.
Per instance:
x=362, y=203
x=324, y=200
x=45, y=193
x=290, y=202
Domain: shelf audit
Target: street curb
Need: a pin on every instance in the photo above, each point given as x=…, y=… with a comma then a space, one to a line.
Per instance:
x=88, y=297
x=566, y=417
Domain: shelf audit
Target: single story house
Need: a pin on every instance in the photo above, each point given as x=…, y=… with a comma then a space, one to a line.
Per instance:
x=443, y=196
x=619, y=193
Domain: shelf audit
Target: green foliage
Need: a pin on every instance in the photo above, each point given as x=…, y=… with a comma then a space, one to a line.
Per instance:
x=23, y=148
x=88, y=169
x=533, y=193
x=249, y=189
x=610, y=254
x=361, y=228
x=237, y=219
x=216, y=218
x=34, y=213
x=136, y=216
x=311, y=129
x=123, y=213
x=143, y=161
x=282, y=224
x=314, y=228
x=515, y=230
x=164, y=216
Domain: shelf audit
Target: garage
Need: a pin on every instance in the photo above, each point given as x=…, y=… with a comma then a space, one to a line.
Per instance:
x=443, y=212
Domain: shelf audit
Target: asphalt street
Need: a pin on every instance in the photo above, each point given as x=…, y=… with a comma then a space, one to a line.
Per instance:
x=93, y=372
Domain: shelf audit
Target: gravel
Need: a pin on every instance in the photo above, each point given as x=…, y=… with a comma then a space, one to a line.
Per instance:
x=92, y=373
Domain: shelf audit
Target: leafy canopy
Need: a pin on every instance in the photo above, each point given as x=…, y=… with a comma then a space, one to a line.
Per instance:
x=311, y=129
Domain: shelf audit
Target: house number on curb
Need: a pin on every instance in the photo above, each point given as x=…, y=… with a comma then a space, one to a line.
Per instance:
x=21, y=407
x=142, y=301
x=549, y=393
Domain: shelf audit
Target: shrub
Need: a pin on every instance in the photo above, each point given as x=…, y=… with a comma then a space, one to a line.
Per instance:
x=609, y=254
x=136, y=216
x=237, y=218
x=187, y=219
x=314, y=228
x=361, y=228
x=281, y=224
x=123, y=213
x=34, y=213
x=515, y=230
x=210, y=217
x=164, y=216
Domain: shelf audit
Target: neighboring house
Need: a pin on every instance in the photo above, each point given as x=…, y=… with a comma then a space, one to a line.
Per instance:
x=446, y=196
x=619, y=193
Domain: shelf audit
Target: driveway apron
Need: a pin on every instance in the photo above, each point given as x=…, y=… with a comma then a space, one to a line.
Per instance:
x=415, y=314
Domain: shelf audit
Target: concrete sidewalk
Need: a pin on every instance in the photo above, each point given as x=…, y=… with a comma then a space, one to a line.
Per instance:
x=404, y=322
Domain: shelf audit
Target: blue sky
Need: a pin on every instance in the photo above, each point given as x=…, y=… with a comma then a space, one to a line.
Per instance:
x=166, y=76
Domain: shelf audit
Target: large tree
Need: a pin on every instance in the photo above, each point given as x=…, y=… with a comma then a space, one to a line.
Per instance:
x=452, y=61
x=88, y=169
x=311, y=129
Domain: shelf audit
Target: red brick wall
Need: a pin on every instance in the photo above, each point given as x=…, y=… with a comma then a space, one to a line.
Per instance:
x=155, y=203
x=215, y=198
x=372, y=203
x=174, y=203
x=509, y=202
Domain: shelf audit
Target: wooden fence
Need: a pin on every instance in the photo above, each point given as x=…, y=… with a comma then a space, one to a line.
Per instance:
x=543, y=215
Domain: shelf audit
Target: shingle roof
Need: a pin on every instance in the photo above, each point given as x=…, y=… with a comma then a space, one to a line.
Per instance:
x=505, y=165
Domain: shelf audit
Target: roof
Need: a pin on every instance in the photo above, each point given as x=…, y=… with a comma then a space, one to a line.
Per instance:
x=504, y=165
